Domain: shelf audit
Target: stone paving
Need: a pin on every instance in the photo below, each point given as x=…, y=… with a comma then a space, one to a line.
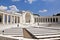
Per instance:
x=37, y=31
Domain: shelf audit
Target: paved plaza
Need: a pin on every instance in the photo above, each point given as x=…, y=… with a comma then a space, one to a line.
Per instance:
x=39, y=32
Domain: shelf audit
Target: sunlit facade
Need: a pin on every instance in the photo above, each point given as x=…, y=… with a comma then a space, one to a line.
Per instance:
x=27, y=18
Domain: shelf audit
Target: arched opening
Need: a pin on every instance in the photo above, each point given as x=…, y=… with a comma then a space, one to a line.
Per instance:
x=28, y=18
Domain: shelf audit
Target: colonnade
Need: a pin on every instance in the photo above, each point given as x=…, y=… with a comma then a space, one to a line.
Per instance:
x=10, y=19
x=52, y=19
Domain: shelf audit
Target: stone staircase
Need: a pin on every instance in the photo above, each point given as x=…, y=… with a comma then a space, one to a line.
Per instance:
x=39, y=32
x=13, y=31
x=43, y=31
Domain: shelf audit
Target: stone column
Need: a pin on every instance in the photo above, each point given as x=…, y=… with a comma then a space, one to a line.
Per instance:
x=52, y=19
x=3, y=19
x=11, y=19
x=49, y=19
x=14, y=19
x=17, y=19
x=55, y=19
x=46, y=19
x=42, y=20
x=7, y=19
x=36, y=20
x=39, y=20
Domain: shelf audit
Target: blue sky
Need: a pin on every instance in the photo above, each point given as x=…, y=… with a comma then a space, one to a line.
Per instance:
x=41, y=7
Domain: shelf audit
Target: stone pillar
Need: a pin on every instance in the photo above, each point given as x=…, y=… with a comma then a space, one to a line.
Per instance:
x=36, y=20
x=14, y=19
x=17, y=19
x=11, y=19
x=52, y=20
x=55, y=19
x=39, y=20
x=47, y=20
x=43, y=19
x=7, y=19
x=3, y=19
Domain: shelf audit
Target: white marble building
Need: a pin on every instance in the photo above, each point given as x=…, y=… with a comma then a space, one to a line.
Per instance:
x=27, y=18
x=12, y=22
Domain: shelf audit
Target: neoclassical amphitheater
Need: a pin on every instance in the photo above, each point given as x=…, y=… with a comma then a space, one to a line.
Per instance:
x=26, y=25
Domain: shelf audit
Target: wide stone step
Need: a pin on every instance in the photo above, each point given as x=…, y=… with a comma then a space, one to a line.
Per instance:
x=42, y=31
x=13, y=31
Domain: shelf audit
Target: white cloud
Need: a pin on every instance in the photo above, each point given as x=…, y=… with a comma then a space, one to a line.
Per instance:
x=15, y=0
x=13, y=8
x=3, y=7
x=42, y=11
x=30, y=1
x=25, y=1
